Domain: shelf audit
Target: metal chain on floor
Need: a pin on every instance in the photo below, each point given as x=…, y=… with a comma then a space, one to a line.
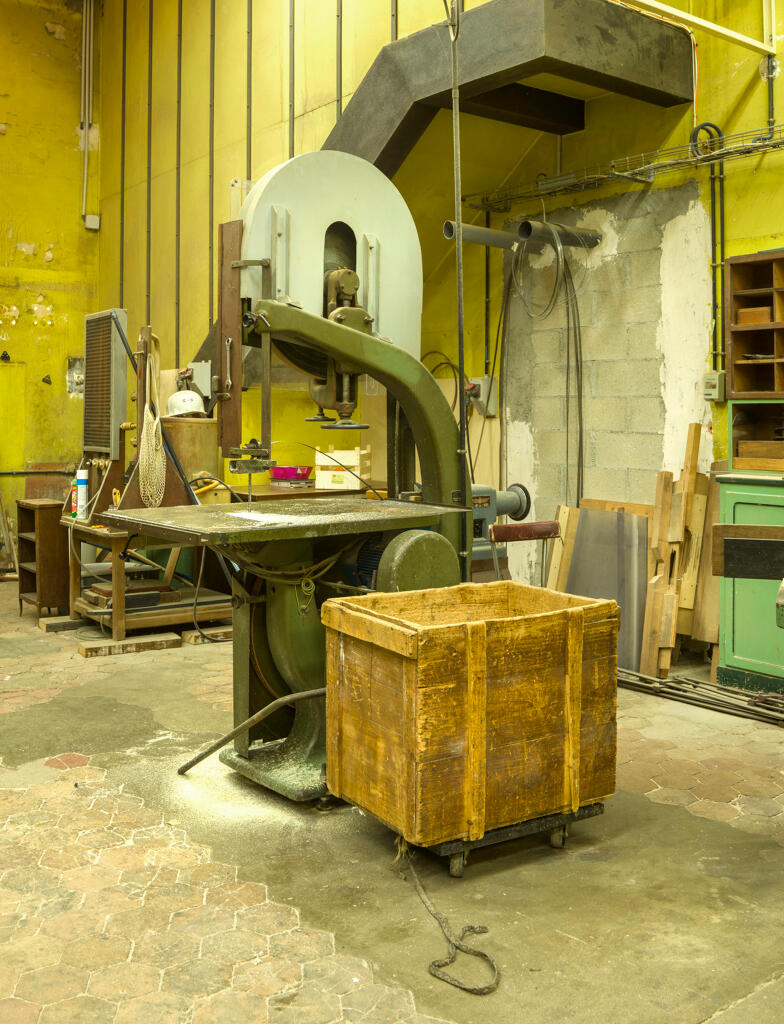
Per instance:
x=456, y=944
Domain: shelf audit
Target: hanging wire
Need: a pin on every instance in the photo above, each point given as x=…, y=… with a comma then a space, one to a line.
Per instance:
x=543, y=311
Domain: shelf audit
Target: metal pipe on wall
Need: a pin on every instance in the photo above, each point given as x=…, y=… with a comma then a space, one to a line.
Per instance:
x=339, y=57
x=482, y=236
x=177, y=189
x=540, y=231
x=211, y=171
x=148, y=300
x=122, y=153
x=249, y=93
x=86, y=105
x=393, y=16
x=292, y=15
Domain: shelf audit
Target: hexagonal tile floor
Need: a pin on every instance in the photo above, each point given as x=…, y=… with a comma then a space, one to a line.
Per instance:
x=110, y=914
x=714, y=766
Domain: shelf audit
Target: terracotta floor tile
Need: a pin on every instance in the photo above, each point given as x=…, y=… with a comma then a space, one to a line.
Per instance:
x=96, y=951
x=673, y=797
x=159, y=1008
x=308, y=1005
x=211, y=874
x=268, y=919
x=202, y=921
x=713, y=810
x=267, y=976
x=135, y=924
x=196, y=978
x=672, y=778
x=369, y=997
x=722, y=764
x=178, y=896
x=237, y=895
x=124, y=981
x=236, y=946
x=81, y=1010
x=239, y=1007
x=303, y=945
x=338, y=973
x=759, y=805
x=166, y=949
x=51, y=984
x=712, y=790
x=760, y=825
x=758, y=786
x=18, y=1011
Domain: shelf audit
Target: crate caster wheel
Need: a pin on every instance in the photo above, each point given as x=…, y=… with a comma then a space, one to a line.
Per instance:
x=457, y=863
x=558, y=837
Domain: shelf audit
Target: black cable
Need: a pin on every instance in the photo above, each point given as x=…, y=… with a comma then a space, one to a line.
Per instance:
x=453, y=369
x=500, y=332
x=470, y=454
x=574, y=346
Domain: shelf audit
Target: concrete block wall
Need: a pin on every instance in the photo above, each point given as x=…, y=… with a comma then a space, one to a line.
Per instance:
x=644, y=299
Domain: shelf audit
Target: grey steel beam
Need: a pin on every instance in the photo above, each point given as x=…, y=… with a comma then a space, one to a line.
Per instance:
x=501, y=42
x=525, y=106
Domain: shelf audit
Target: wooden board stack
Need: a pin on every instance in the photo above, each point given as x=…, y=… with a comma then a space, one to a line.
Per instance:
x=682, y=597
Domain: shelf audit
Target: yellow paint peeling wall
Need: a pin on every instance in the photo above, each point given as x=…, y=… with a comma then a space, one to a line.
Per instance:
x=494, y=154
x=48, y=260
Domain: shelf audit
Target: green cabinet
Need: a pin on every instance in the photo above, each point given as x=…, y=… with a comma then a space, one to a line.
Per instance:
x=751, y=645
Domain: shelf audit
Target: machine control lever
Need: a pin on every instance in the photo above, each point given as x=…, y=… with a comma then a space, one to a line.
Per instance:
x=228, y=364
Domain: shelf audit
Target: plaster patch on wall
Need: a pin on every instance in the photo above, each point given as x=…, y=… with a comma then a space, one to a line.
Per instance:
x=521, y=467
x=3, y=127
x=58, y=31
x=684, y=332
x=28, y=248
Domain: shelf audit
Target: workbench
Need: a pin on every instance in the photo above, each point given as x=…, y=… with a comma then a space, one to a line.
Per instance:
x=117, y=542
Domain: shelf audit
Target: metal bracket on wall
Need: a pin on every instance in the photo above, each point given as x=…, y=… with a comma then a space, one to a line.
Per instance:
x=281, y=220
x=371, y=276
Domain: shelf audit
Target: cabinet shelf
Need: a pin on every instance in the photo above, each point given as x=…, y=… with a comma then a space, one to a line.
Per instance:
x=768, y=326
x=755, y=282
x=43, y=554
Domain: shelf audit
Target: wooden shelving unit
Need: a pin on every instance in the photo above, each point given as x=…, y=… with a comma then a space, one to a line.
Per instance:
x=755, y=351
x=43, y=555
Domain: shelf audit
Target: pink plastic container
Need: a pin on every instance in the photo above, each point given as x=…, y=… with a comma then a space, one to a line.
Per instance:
x=290, y=472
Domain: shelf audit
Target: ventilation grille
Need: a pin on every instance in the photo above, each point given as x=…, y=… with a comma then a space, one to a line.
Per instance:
x=98, y=383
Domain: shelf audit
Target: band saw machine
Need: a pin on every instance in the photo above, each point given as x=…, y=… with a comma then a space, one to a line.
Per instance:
x=324, y=267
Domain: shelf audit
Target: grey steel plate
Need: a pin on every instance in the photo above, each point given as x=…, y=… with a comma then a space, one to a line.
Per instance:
x=273, y=519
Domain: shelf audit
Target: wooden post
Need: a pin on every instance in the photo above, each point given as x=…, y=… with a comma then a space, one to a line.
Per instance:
x=74, y=572
x=118, y=588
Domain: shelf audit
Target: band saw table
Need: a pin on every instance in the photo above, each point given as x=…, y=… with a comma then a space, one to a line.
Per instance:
x=287, y=556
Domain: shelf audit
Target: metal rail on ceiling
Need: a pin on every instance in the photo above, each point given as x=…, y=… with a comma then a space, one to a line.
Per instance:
x=765, y=46
x=640, y=169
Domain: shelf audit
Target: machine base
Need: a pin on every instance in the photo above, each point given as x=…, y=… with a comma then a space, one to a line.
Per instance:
x=556, y=824
x=280, y=767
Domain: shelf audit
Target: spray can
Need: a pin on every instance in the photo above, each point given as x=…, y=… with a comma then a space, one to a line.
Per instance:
x=81, y=493
x=74, y=500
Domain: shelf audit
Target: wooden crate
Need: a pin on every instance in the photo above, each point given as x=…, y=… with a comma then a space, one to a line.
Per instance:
x=454, y=712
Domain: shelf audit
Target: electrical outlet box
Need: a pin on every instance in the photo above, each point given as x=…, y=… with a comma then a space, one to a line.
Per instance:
x=92, y=221
x=714, y=386
x=486, y=401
